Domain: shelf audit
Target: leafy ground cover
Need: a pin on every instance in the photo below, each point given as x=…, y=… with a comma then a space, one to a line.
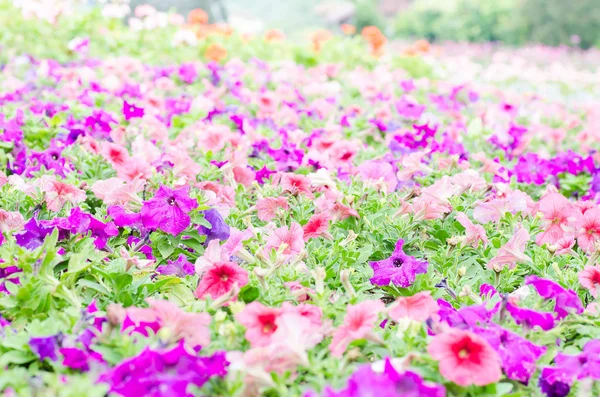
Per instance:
x=185, y=211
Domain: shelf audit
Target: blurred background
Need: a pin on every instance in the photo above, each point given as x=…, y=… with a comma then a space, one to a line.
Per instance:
x=512, y=22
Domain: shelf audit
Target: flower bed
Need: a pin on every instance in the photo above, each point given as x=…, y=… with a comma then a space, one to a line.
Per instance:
x=277, y=222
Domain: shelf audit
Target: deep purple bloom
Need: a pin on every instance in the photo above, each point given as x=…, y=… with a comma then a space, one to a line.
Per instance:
x=390, y=383
x=399, y=269
x=180, y=268
x=219, y=230
x=530, y=318
x=130, y=111
x=163, y=373
x=168, y=210
x=568, y=368
x=45, y=346
x=566, y=301
x=33, y=235
x=556, y=389
x=263, y=175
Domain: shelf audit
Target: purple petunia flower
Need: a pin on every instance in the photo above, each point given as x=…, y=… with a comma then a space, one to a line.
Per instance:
x=399, y=269
x=409, y=109
x=530, y=318
x=566, y=300
x=163, y=373
x=390, y=383
x=45, y=346
x=263, y=175
x=180, y=268
x=168, y=210
x=567, y=368
x=556, y=389
x=79, y=359
x=219, y=230
x=33, y=235
x=130, y=111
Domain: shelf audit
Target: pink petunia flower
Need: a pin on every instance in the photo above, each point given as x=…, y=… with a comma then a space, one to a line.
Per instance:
x=316, y=226
x=292, y=238
x=378, y=174
x=10, y=221
x=220, y=279
x=465, y=358
x=589, y=278
x=358, y=324
x=58, y=194
x=234, y=243
x=495, y=209
x=419, y=307
x=512, y=252
x=267, y=207
x=588, y=229
x=295, y=184
x=191, y=327
x=475, y=233
x=557, y=212
x=260, y=323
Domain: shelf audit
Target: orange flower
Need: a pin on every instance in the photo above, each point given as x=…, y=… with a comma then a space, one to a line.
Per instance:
x=215, y=52
x=422, y=46
x=375, y=38
x=320, y=37
x=348, y=29
x=274, y=35
x=197, y=17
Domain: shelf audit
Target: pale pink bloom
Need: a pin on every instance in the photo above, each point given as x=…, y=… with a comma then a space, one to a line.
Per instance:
x=133, y=168
x=378, y=174
x=299, y=291
x=341, y=211
x=267, y=103
x=413, y=164
x=557, y=212
x=312, y=312
x=183, y=165
x=103, y=188
x=134, y=260
x=465, y=358
x=114, y=154
x=588, y=229
x=475, y=233
x=440, y=192
x=236, y=239
x=589, y=278
x=512, y=252
x=10, y=221
x=295, y=335
x=59, y=193
x=223, y=196
x=3, y=179
x=316, y=226
x=191, y=327
x=495, y=209
x=260, y=323
x=564, y=245
x=327, y=201
x=425, y=209
x=244, y=175
x=116, y=191
x=295, y=184
x=358, y=324
x=469, y=180
x=267, y=207
x=292, y=238
x=214, y=138
x=418, y=307
x=146, y=150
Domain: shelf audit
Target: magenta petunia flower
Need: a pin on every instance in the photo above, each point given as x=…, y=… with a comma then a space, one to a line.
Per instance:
x=530, y=318
x=130, y=111
x=399, y=269
x=168, y=210
x=566, y=301
x=180, y=267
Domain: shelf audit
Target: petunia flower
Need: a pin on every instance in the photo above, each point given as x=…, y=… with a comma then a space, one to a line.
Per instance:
x=45, y=346
x=378, y=174
x=180, y=267
x=474, y=233
x=219, y=230
x=292, y=237
x=268, y=207
x=495, y=209
x=557, y=214
x=465, y=358
x=512, y=252
x=566, y=301
x=530, y=318
x=399, y=269
x=358, y=324
x=190, y=327
x=295, y=184
x=33, y=235
x=168, y=210
x=568, y=368
x=316, y=227
x=219, y=279
x=260, y=323
x=418, y=307
x=588, y=229
x=131, y=111
x=589, y=278
x=10, y=221
x=58, y=193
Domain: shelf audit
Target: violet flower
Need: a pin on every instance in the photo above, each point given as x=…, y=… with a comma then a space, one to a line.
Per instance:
x=180, y=268
x=33, y=235
x=168, y=210
x=219, y=230
x=45, y=346
x=566, y=301
x=399, y=269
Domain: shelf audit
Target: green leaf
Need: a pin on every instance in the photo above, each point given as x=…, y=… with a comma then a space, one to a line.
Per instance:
x=249, y=294
x=16, y=357
x=165, y=248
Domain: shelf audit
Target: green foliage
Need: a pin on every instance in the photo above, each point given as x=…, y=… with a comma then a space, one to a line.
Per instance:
x=515, y=22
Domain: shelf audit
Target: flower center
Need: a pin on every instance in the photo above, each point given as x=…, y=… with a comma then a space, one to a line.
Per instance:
x=398, y=262
x=171, y=201
x=463, y=353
